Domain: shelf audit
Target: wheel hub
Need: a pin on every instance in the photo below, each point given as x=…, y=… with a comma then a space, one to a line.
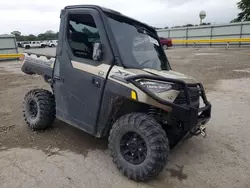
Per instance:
x=133, y=148
x=32, y=108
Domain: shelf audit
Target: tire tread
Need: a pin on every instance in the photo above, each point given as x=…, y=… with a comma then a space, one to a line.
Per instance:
x=159, y=146
x=46, y=104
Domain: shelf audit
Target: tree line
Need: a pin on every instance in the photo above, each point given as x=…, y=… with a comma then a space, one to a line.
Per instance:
x=48, y=35
x=244, y=14
x=186, y=25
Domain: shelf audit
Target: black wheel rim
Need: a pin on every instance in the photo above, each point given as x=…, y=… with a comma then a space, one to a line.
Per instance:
x=133, y=148
x=32, y=108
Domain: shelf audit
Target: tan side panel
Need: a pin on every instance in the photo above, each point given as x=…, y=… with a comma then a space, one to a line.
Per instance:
x=116, y=69
x=100, y=70
x=173, y=74
x=142, y=97
x=168, y=95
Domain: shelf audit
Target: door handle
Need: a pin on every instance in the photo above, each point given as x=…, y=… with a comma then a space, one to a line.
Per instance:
x=96, y=82
x=56, y=78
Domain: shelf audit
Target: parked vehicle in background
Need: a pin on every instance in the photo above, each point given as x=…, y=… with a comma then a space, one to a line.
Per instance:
x=52, y=43
x=19, y=44
x=166, y=42
x=24, y=44
x=33, y=44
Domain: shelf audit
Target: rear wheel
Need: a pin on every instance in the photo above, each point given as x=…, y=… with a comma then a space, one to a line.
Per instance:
x=165, y=47
x=39, y=109
x=139, y=146
x=52, y=45
x=27, y=47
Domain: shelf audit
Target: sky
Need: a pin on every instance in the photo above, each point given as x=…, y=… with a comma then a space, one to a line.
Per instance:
x=38, y=16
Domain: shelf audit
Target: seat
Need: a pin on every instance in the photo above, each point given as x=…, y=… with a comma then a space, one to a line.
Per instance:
x=80, y=45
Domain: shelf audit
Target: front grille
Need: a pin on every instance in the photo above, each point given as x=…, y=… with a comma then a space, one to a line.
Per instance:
x=182, y=100
x=194, y=95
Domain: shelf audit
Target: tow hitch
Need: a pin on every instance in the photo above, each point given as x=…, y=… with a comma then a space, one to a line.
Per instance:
x=203, y=131
x=200, y=130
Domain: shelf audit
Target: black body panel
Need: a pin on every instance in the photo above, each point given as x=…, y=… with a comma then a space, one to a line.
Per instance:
x=113, y=96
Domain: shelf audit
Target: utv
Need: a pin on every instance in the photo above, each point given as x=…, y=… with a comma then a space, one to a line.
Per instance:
x=110, y=76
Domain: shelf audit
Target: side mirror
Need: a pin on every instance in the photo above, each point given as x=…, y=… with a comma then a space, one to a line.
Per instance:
x=97, y=51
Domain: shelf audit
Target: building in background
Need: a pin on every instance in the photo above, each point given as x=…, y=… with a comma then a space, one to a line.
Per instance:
x=8, y=44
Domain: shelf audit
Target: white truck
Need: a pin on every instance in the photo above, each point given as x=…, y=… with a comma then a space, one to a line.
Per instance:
x=33, y=44
x=52, y=43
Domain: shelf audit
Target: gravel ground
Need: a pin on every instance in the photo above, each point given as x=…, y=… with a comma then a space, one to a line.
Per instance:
x=66, y=157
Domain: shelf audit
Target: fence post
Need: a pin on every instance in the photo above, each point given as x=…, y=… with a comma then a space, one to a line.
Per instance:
x=16, y=45
x=211, y=35
x=186, y=36
x=241, y=26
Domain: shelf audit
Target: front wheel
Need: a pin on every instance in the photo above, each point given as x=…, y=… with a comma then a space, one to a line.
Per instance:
x=139, y=146
x=39, y=109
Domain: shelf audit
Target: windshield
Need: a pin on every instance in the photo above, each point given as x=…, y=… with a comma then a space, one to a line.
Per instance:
x=137, y=45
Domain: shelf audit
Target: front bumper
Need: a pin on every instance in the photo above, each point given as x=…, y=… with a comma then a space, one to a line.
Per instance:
x=191, y=116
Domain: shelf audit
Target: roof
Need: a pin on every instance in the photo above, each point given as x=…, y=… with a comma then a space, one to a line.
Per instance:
x=93, y=6
x=106, y=10
x=6, y=36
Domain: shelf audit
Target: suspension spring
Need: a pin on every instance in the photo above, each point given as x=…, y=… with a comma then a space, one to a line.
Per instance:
x=152, y=111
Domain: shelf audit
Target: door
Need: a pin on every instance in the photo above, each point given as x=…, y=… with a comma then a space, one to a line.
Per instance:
x=79, y=80
x=37, y=44
x=32, y=44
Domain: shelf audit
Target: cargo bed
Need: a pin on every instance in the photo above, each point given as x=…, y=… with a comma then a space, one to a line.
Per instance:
x=38, y=64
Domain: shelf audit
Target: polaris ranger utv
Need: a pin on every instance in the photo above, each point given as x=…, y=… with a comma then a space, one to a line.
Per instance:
x=111, y=77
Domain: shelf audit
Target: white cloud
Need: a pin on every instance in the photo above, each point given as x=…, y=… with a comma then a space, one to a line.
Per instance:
x=29, y=16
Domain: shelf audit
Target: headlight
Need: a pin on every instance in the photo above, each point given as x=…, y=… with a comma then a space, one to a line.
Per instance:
x=156, y=87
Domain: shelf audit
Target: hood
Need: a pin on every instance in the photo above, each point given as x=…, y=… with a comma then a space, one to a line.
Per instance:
x=165, y=73
x=172, y=74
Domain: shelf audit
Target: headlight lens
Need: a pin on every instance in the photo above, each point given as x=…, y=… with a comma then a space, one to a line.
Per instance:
x=156, y=87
